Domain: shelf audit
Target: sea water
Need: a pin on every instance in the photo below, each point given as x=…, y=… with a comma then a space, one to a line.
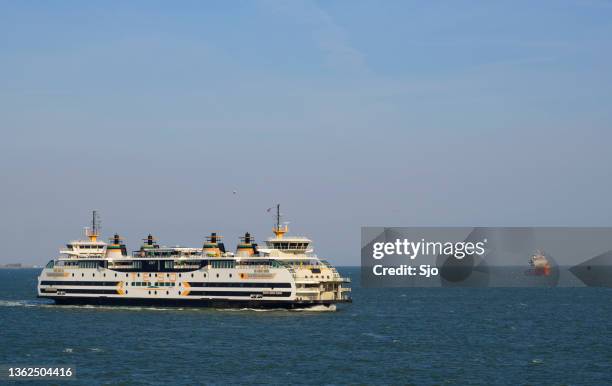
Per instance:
x=386, y=336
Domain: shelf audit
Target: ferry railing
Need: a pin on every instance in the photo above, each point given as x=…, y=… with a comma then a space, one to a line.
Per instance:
x=289, y=268
x=331, y=267
x=335, y=272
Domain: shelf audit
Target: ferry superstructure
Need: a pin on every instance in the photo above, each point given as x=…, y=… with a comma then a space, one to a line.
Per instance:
x=284, y=274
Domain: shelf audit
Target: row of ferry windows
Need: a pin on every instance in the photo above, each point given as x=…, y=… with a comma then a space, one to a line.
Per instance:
x=70, y=246
x=168, y=264
x=155, y=292
x=127, y=275
x=167, y=253
x=151, y=284
x=291, y=245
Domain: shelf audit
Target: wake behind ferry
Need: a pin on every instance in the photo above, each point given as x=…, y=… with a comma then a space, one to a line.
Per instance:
x=284, y=274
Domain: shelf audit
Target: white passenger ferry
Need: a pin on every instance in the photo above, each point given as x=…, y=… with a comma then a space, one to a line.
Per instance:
x=286, y=273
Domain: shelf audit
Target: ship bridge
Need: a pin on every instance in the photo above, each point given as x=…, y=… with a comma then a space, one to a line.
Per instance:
x=90, y=248
x=294, y=244
x=286, y=246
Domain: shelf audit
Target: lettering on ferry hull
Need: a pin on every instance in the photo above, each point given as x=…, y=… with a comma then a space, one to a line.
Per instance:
x=257, y=275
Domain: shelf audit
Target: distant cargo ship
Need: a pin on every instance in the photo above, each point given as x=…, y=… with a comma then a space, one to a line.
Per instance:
x=540, y=266
x=285, y=273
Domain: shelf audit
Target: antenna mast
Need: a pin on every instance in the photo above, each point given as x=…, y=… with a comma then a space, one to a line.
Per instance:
x=94, y=225
x=94, y=232
x=279, y=230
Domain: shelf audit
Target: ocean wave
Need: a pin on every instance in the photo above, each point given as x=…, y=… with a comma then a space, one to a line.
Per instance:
x=251, y=309
x=46, y=304
x=376, y=336
x=24, y=303
x=317, y=308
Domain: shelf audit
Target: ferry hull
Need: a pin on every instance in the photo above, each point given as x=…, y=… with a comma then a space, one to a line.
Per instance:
x=184, y=303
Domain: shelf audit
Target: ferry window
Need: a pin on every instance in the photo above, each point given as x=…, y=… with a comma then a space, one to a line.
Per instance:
x=50, y=264
x=167, y=293
x=126, y=275
x=126, y=292
x=192, y=275
x=73, y=275
x=217, y=275
x=167, y=275
x=149, y=292
x=155, y=292
x=230, y=275
x=94, y=275
x=224, y=264
x=104, y=275
x=180, y=275
x=115, y=275
x=179, y=292
x=204, y=275
x=82, y=275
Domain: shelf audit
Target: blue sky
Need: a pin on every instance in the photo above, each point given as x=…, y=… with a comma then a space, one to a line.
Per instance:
x=348, y=113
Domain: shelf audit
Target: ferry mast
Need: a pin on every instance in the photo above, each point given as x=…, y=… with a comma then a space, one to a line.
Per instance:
x=94, y=232
x=279, y=230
